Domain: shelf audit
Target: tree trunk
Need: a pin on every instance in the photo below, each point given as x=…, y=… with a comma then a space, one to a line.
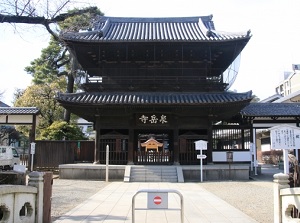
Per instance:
x=70, y=89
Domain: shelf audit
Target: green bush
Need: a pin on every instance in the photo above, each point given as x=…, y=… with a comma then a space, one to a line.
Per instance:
x=61, y=130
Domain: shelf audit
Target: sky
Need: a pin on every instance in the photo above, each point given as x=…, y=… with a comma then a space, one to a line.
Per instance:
x=271, y=51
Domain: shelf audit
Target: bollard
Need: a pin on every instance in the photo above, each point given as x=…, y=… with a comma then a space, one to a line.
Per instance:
x=159, y=197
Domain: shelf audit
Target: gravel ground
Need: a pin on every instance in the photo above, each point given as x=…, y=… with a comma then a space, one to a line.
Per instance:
x=67, y=194
x=253, y=197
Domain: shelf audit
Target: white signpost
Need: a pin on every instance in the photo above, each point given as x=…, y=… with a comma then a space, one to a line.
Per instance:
x=32, y=152
x=201, y=145
x=201, y=156
x=285, y=137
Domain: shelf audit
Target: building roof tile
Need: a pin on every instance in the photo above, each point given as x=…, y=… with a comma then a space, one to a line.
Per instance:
x=19, y=110
x=157, y=98
x=271, y=110
x=181, y=29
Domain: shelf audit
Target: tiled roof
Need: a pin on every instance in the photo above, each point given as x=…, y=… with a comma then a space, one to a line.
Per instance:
x=157, y=98
x=271, y=110
x=19, y=110
x=181, y=29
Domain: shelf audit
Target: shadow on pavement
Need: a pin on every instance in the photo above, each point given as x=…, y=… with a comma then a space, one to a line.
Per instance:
x=267, y=172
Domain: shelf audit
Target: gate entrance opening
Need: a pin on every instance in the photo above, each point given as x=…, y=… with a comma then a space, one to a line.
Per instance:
x=153, y=148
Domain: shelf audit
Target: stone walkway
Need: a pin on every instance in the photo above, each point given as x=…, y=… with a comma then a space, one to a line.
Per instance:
x=113, y=203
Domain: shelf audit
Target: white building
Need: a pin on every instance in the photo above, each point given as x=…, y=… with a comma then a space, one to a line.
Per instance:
x=289, y=88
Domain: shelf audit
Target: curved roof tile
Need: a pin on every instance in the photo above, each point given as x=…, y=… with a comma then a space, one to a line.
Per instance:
x=124, y=29
x=157, y=98
x=19, y=110
x=271, y=110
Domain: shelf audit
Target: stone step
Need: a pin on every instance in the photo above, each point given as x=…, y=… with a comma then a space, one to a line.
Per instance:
x=153, y=179
x=153, y=174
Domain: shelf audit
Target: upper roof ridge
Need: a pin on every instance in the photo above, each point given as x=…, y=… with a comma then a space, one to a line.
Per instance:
x=155, y=19
x=153, y=29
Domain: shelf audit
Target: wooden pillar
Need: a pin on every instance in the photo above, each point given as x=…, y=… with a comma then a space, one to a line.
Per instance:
x=209, y=142
x=176, y=146
x=130, y=147
x=31, y=138
x=97, y=141
x=297, y=154
x=33, y=127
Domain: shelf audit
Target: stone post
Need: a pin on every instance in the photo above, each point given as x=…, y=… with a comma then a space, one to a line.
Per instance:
x=36, y=179
x=281, y=181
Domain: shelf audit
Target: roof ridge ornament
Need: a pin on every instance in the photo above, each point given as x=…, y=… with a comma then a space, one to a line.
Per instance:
x=225, y=33
x=102, y=30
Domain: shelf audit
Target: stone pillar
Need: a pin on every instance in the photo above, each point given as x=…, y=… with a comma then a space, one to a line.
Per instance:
x=36, y=179
x=281, y=181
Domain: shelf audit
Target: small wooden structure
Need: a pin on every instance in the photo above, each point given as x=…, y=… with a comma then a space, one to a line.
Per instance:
x=151, y=144
x=21, y=116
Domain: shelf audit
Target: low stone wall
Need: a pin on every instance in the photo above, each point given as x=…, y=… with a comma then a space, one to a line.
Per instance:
x=286, y=200
x=91, y=171
x=190, y=173
x=20, y=203
x=14, y=199
x=216, y=172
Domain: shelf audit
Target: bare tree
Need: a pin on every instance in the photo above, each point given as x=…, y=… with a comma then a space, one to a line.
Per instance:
x=48, y=14
x=43, y=12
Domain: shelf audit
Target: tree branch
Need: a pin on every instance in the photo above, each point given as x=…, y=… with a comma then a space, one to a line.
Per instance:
x=23, y=19
x=62, y=57
x=41, y=19
x=55, y=36
x=61, y=7
x=64, y=16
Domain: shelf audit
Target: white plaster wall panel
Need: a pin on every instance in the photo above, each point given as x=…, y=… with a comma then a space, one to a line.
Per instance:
x=2, y=118
x=238, y=156
x=20, y=118
x=219, y=157
x=241, y=156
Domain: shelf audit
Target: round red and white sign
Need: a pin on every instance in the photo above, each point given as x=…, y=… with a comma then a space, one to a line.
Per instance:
x=157, y=200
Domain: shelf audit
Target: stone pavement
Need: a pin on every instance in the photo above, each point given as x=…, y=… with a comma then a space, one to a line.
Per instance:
x=114, y=204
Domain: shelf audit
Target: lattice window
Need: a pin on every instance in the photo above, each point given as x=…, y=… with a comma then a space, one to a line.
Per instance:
x=230, y=138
